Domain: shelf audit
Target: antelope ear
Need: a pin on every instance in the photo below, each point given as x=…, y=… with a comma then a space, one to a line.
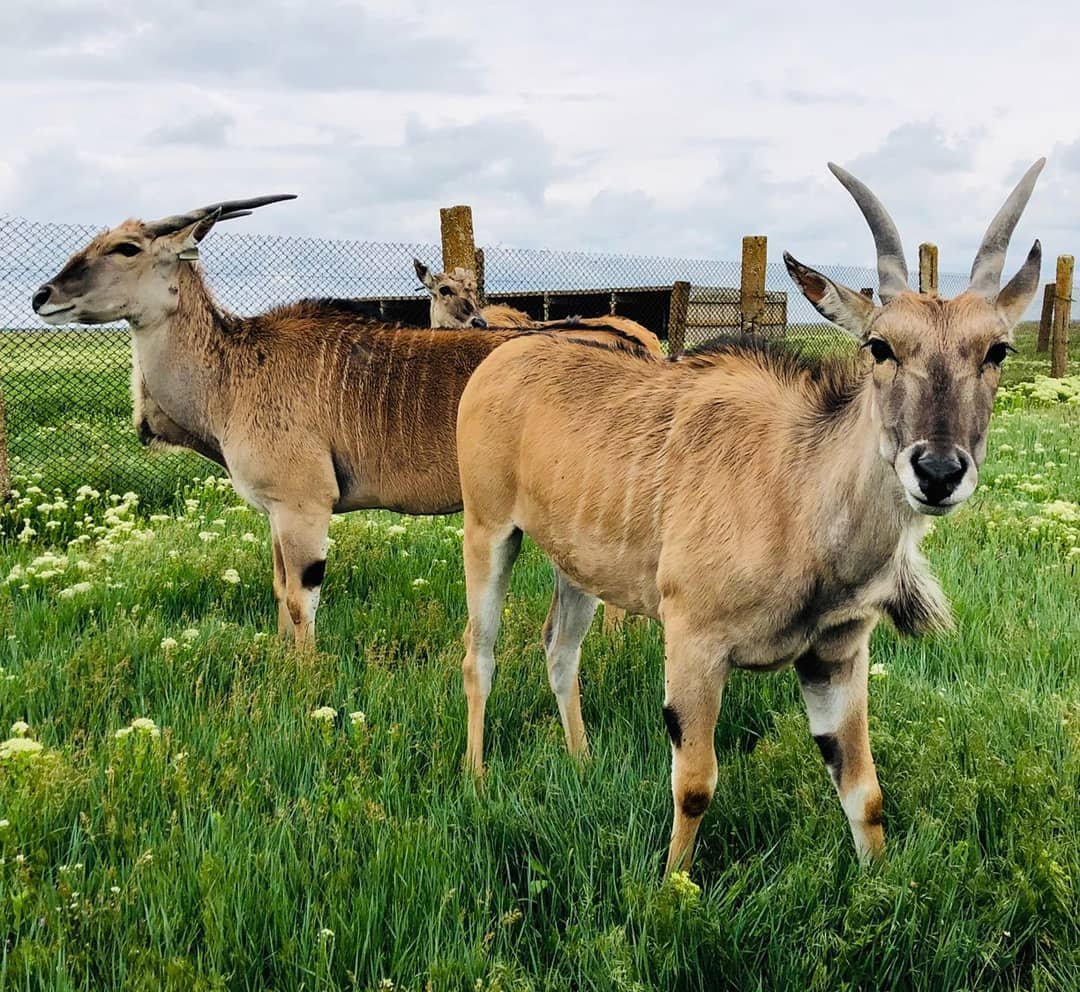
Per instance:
x=1019, y=291
x=847, y=309
x=423, y=273
x=185, y=242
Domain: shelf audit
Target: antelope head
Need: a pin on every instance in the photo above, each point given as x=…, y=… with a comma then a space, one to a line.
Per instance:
x=934, y=364
x=455, y=301
x=131, y=271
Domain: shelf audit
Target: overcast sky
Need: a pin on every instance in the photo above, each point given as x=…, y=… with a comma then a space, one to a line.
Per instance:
x=652, y=128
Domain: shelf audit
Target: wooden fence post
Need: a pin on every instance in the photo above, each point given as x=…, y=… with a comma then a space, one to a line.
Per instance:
x=479, y=270
x=458, y=246
x=1046, y=320
x=752, y=284
x=1059, y=353
x=677, y=312
x=928, y=272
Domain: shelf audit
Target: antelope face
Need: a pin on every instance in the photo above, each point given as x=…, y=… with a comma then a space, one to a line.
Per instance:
x=936, y=368
x=117, y=276
x=934, y=364
x=131, y=272
x=454, y=298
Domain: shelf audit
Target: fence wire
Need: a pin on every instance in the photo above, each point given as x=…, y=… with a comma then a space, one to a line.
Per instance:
x=66, y=390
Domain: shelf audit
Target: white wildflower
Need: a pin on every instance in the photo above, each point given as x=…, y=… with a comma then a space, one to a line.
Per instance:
x=20, y=728
x=169, y=644
x=231, y=575
x=324, y=713
x=357, y=718
x=19, y=745
x=878, y=669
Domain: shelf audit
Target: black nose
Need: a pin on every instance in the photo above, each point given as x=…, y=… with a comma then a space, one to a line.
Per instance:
x=938, y=472
x=41, y=297
x=478, y=321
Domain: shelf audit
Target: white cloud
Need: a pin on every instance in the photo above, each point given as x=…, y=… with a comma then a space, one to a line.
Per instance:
x=636, y=127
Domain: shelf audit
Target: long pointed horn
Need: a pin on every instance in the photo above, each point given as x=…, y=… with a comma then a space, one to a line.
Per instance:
x=229, y=209
x=990, y=258
x=892, y=269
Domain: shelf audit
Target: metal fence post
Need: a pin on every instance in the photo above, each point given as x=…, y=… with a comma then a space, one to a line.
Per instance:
x=5, y=475
x=479, y=270
x=678, y=309
x=458, y=246
x=752, y=282
x=1059, y=355
x=928, y=272
x=1046, y=319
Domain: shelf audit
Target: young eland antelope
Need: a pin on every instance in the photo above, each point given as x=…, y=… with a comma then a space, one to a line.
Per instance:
x=313, y=407
x=455, y=302
x=768, y=509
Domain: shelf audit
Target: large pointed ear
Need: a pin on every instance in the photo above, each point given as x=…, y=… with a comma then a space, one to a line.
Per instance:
x=844, y=307
x=1019, y=291
x=185, y=242
x=423, y=273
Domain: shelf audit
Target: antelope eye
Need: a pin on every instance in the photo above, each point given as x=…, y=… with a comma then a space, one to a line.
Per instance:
x=880, y=350
x=445, y=291
x=125, y=248
x=996, y=354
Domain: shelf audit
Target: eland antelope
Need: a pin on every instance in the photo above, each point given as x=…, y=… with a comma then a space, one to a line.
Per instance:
x=313, y=407
x=766, y=508
x=455, y=302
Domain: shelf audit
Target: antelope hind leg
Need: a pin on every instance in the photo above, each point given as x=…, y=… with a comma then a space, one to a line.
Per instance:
x=614, y=618
x=567, y=622
x=489, y=556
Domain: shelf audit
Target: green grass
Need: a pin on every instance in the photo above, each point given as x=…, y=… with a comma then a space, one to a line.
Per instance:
x=67, y=406
x=219, y=854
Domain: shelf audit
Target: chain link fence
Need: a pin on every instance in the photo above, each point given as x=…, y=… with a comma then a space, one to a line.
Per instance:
x=66, y=390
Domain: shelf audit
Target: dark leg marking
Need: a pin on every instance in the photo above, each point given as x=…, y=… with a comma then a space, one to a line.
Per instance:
x=872, y=814
x=145, y=434
x=674, y=727
x=812, y=670
x=694, y=804
x=312, y=575
x=830, y=751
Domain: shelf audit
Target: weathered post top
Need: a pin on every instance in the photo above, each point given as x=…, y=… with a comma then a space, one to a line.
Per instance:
x=458, y=244
x=752, y=284
x=928, y=268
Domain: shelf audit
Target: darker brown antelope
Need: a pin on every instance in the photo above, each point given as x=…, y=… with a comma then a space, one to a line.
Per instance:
x=314, y=408
x=766, y=508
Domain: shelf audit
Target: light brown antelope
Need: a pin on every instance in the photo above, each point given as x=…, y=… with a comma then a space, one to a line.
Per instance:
x=455, y=302
x=768, y=509
x=313, y=407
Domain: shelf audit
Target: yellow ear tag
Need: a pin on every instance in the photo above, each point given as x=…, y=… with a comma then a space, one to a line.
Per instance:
x=188, y=254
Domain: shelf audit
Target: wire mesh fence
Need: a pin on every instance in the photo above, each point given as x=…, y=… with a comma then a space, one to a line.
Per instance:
x=66, y=390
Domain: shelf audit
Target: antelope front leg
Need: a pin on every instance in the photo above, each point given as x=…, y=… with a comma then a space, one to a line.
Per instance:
x=301, y=542
x=489, y=557
x=567, y=623
x=833, y=686
x=694, y=676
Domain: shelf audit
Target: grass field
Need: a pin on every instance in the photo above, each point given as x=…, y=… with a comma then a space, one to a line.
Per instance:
x=249, y=839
